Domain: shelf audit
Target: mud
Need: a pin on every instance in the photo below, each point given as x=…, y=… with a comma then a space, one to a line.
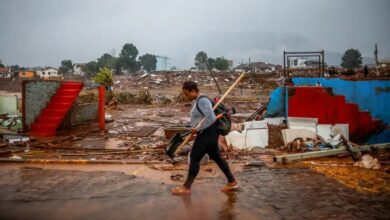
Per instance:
x=51, y=193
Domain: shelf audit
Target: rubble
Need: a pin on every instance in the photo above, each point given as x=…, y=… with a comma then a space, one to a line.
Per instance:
x=368, y=162
x=147, y=109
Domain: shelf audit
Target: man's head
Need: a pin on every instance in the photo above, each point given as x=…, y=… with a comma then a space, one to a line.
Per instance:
x=190, y=90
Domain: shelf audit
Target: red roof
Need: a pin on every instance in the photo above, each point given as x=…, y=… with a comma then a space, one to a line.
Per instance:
x=5, y=70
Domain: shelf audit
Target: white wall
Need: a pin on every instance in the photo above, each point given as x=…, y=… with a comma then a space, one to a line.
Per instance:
x=47, y=73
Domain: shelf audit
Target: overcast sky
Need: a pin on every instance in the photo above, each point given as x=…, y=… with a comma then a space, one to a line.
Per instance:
x=44, y=32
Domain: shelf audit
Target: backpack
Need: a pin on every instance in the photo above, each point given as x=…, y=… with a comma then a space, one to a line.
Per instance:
x=225, y=122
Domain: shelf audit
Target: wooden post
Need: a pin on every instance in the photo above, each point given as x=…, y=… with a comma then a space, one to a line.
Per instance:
x=326, y=153
x=102, y=94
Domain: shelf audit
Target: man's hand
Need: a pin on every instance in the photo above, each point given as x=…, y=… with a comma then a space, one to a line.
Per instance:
x=194, y=131
x=193, y=137
x=193, y=134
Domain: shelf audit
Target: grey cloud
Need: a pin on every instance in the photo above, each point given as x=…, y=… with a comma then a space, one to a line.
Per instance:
x=43, y=32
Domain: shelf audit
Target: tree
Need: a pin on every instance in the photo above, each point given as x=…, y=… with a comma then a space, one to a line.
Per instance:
x=66, y=67
x=351, y=59
x=104, y=77
x=200, y=60
x=148, y=62
x=221, y=64
x=127, y=58
x=106, y=61
x=211, y=63
x=90, y=69
x=15, y=68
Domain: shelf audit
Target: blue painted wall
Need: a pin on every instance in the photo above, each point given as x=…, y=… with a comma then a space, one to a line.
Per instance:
x=370, y=95
x=276, y=107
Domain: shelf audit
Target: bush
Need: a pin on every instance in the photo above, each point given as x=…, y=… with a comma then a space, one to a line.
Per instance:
x=144, y=97
x=104, y=77
x=88, y=97
x=180, y=98
x=126, y=97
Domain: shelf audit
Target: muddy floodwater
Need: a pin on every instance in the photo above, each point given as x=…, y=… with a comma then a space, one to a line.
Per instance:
x=142, y=192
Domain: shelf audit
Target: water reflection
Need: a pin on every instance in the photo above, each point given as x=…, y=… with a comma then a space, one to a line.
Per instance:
x=228, y=210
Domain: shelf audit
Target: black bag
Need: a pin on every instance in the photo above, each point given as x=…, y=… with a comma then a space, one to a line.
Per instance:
x=225, y=122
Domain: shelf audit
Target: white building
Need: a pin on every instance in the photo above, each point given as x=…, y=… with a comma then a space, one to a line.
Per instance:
x=296, y=62
x=49, y=72
x=77, y=69
x=5, y=72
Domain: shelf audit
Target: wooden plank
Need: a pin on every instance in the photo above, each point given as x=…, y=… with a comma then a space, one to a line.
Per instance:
x=326, y=153
x=143, y=131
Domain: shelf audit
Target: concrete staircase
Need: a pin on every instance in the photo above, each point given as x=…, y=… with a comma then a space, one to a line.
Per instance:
x=51, y=117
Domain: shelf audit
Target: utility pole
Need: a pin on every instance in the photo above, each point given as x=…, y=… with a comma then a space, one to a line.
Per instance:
x=376, y=59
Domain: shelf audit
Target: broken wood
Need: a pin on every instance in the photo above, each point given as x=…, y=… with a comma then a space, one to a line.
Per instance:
x=84, y=161
x=326, y=153
x=349, y=148
x=112, y=153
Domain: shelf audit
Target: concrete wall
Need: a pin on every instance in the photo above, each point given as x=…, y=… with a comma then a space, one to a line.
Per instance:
x=81, y=113
x=9, y=104
x=370, y=95
x=37, y=95
x=277, y=105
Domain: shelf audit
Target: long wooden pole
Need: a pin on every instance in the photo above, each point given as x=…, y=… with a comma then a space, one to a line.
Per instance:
x=212, y=75
x=229, y=90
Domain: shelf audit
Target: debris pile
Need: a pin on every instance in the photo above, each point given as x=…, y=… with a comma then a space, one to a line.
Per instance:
x=368, y=162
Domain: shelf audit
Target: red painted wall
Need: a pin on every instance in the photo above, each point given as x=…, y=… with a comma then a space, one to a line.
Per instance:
x=318, y=102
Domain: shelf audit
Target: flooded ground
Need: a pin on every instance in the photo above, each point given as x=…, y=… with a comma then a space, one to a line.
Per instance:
x=329, y=188
x=142, y=192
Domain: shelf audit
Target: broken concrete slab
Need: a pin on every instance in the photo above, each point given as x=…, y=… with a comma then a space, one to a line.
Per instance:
x=302, y=123
x=255, y=134
x=342, y=129
x=325, y=131
x=274, y=121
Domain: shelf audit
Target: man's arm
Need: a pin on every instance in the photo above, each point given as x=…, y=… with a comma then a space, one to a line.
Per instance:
x=206, y=107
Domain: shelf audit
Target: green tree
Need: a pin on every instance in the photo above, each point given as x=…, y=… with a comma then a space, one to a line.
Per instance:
x=211, y=63
x=127, y=58
x=15, y=67
x=90, y=69
x=66, y=67
x=200, y=60
x=106, y=61
x=221, y=64
x=148, y=62
x=104, y=77
x=351, y=59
